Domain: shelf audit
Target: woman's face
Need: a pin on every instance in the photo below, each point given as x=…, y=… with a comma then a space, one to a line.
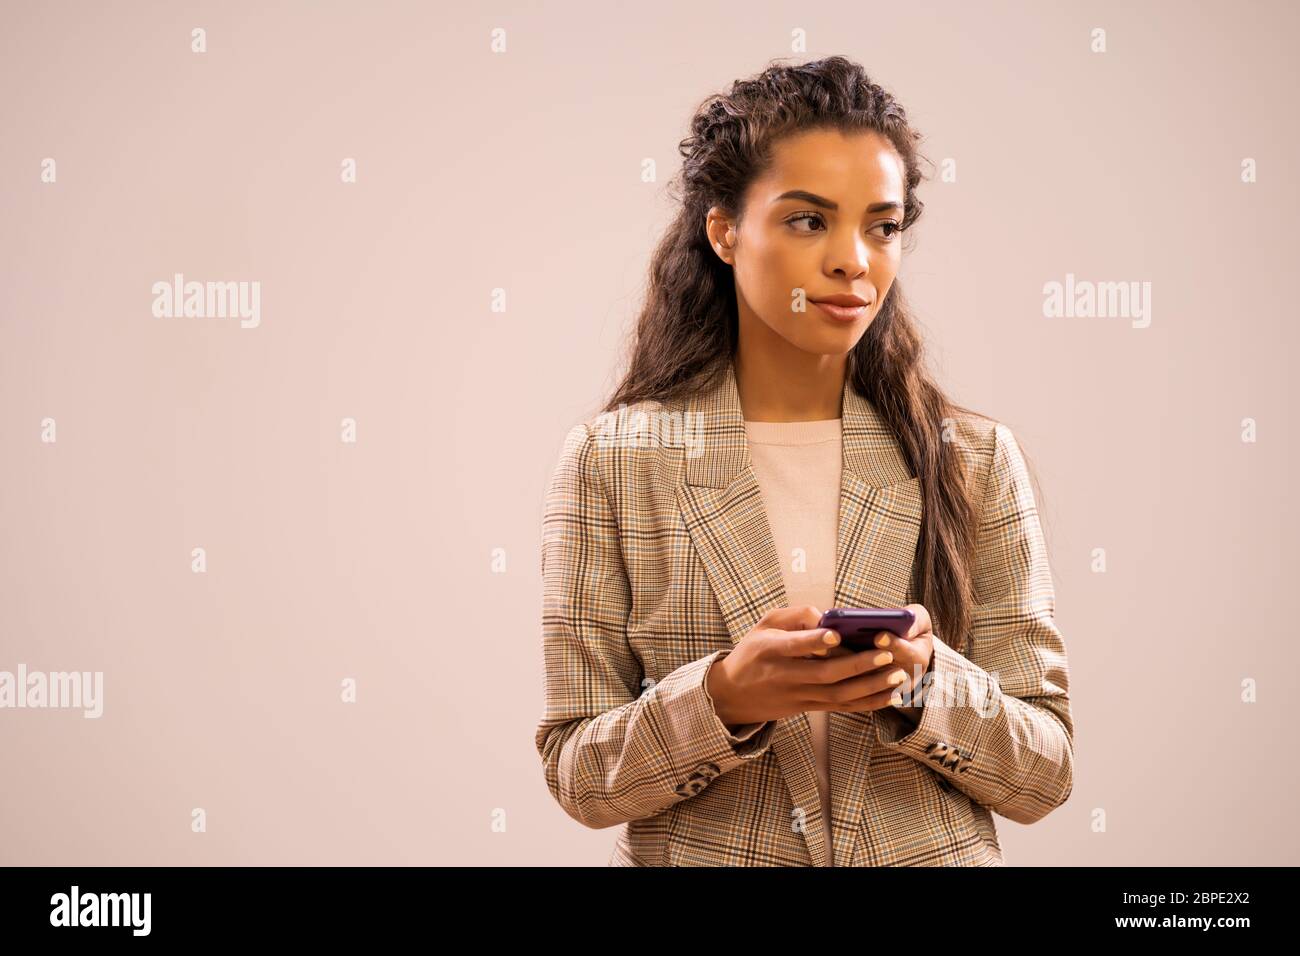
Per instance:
x=823, y=219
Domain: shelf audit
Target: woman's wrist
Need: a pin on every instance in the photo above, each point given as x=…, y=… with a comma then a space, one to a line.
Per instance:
x=717, y=687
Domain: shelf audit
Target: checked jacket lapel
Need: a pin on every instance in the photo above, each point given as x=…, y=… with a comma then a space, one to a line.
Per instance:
x=879, y=523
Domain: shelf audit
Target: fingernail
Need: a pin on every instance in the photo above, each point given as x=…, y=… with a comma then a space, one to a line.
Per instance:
x=883, y=659
x=830, y=637
x=882, y=640
x=897, y=678
x=897, y=700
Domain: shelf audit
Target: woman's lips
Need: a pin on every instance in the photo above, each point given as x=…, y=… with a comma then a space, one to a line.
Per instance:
x=843, y=313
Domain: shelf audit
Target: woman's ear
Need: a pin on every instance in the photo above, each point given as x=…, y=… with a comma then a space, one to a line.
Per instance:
x=722, y=234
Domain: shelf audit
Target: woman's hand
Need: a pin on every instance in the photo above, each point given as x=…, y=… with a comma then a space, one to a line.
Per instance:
x=912, y=653
x=787, y=665
x=910, y=659
x=766, y=675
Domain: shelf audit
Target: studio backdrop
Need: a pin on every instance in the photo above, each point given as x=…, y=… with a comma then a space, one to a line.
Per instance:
x=300, y=301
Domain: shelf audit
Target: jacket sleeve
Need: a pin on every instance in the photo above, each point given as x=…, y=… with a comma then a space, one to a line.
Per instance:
x=997, y=725
x=611, y=750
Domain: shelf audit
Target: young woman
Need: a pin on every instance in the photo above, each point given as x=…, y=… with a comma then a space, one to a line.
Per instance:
x=775, y=449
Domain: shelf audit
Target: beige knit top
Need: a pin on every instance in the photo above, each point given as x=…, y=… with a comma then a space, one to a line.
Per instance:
x=798, y=467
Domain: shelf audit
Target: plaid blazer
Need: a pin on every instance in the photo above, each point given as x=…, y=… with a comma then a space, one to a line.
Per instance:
x=657, y=558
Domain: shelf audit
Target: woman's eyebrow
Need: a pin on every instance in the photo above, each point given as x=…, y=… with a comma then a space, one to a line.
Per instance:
x=814, y=199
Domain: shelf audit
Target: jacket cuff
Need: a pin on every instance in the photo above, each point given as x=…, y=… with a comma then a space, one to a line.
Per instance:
x=746, y=732
x=704, y=742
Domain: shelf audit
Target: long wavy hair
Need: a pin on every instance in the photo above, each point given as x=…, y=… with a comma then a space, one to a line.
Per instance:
x=687, y=332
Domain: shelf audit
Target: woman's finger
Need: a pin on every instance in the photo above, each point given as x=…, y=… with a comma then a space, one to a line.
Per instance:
x=876, y=701
x=853, y=664
x=921, y=623
x=867, y=671
x=800, y=616
x=879, y=679
x=803, y=643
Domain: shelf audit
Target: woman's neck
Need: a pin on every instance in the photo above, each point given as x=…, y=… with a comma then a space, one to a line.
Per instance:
x=789, y=388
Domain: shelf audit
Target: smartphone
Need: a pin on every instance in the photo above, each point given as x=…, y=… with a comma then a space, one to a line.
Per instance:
x=858, y=626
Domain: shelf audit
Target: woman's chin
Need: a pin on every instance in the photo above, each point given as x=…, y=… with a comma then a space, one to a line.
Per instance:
x=836, y=341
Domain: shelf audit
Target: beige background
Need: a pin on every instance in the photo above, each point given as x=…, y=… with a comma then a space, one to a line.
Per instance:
x=521, y=171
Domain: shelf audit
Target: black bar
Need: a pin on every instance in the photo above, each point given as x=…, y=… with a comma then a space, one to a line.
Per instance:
x=996, y=905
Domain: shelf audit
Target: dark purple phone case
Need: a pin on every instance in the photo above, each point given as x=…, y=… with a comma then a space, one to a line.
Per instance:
x=858, y=626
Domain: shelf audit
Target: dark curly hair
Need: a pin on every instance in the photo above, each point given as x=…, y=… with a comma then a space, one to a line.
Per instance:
x=687, y=331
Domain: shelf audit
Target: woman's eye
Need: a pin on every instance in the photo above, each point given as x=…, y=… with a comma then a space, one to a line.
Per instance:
x=807, y=215
x=893, y=228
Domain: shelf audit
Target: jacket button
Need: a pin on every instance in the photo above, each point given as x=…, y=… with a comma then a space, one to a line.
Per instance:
x=946, y=756
x=698, y=780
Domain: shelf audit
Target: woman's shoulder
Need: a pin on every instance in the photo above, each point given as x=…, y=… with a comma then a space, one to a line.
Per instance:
x=973, y=434
x=642, y=426
x=996, y=465
x=990, y=450
x=633, y=446
x=630, y=431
